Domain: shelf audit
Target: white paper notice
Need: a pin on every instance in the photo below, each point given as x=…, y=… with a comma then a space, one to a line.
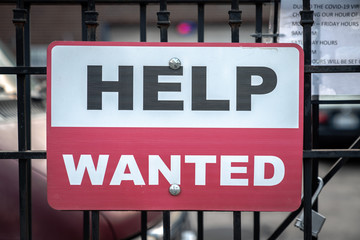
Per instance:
x=335, y=41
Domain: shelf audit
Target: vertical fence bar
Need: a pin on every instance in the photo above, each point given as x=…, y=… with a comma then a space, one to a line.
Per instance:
x=95, y=225
x=235, y=21
x=307, y=177
x=89, y=24
x=237, y=225
x=276, y=22
x=315, y=137
x=27, y=100
x=256, y=225
x=86, y=225
x=201, y=22
x=143, y=225
x=20, y=18
x=83, y=25
x=200, y=32
x=142, y=22
x=163, y=21
x=166, y=223
x=307, y=21
x=200, y=225
x=27, y=85
x=86, y=214
x=258, y=22
x=90, y=20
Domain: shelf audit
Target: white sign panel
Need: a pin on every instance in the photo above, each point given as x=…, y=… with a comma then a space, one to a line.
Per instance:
x=147, y=79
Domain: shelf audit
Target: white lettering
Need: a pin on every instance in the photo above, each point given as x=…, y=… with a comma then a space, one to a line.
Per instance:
x=76, y=175
x=259, y=171
x=226, y=170
x=157, y=165
x=128, y=170
x=134, y=175
x=200, y=166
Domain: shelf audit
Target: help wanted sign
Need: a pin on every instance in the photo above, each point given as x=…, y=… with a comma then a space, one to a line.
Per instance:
x=181, y=126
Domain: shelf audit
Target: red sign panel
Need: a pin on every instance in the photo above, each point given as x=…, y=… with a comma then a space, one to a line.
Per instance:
x=155, y=126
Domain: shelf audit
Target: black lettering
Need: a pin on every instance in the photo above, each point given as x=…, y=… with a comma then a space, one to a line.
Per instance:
x=124, y=87
x=245, y=89
x=199, y=101
x=152, y=87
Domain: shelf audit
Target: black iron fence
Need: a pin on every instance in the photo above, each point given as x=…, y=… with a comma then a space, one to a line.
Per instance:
x=89, y=22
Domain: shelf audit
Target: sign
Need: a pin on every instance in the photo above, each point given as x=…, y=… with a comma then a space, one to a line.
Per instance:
x=334, y=41
x=174, y=126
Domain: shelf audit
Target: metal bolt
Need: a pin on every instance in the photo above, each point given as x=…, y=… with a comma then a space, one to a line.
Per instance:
x=174, y=189
x=174, y=63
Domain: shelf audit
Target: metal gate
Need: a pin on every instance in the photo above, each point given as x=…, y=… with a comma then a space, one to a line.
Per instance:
x=89, y=22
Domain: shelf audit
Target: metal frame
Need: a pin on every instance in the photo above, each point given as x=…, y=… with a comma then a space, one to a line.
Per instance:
x=23, y=70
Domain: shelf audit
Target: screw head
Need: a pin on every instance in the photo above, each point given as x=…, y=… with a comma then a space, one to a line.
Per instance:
x=174, y=189
x=174, y=63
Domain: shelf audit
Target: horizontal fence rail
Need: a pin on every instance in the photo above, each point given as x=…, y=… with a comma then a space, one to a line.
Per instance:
x=318, y=153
